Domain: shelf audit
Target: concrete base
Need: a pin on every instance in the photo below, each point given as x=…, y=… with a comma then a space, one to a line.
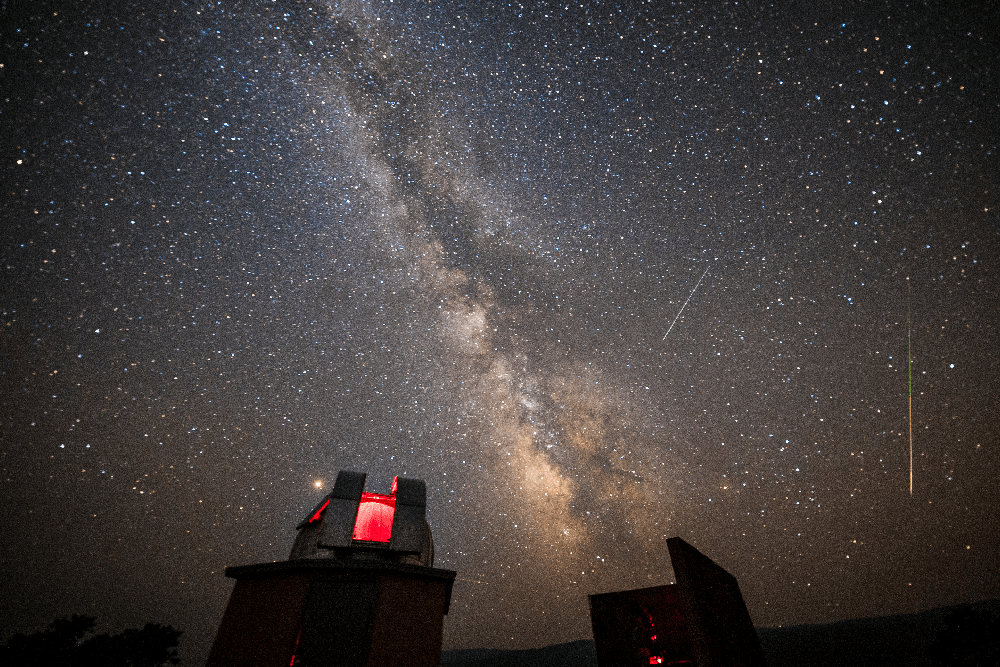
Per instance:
x=333, y=613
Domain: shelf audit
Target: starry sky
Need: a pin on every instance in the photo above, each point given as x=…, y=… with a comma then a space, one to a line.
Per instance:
x=599, y=272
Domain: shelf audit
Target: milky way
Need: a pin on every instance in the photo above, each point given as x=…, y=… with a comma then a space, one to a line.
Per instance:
x=249, y=245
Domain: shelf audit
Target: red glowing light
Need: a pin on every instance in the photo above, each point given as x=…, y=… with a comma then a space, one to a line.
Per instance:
x=375, y=514
x=319, y=512
x=655, y=660
x=298, y=636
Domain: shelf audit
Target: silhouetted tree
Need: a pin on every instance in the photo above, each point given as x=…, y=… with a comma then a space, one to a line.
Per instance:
x=63, y=644
x=969, y=639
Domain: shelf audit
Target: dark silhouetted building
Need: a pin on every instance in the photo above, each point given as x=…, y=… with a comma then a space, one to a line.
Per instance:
x=358, y=589
x=700, y=621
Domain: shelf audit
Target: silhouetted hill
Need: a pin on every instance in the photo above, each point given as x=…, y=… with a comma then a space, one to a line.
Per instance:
x=903, y=640
x=887, y=641
x=576, y=654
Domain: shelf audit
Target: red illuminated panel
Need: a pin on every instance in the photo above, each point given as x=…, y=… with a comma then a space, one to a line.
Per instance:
x=374, y=522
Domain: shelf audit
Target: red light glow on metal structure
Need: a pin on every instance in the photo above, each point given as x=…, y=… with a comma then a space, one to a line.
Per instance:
x=298, y=636
x=655, y=660
x=375, y=514
x=319, y=512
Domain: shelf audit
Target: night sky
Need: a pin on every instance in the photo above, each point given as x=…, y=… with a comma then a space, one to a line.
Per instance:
x=247, y=245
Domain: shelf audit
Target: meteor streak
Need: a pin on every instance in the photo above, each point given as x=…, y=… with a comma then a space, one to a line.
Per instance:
x=685, y=304
x=909, y=359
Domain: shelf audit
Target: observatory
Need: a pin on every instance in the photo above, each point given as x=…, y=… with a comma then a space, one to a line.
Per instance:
x=700, y=621
x=358, y=589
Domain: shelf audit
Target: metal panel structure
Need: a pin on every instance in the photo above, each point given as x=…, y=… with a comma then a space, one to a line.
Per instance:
x=700, y=621
x=338, y=518
x=409, y=530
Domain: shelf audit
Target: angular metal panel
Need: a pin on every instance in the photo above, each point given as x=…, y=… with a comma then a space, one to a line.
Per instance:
x=338, y=519
x=722, y=632
x=349, y=485
x=409, y=526
x=411, y=492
